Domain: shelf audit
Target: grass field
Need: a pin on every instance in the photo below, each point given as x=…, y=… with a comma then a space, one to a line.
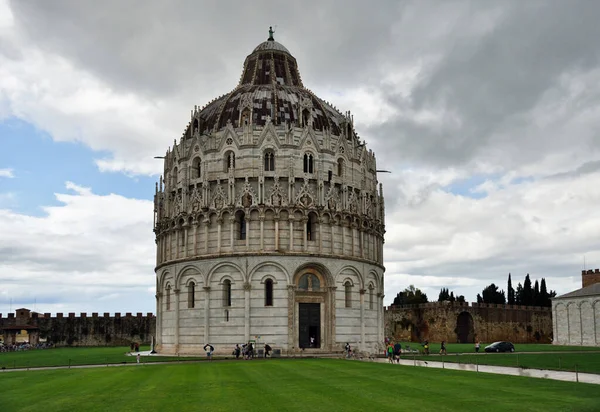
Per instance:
x=77, y=356
x=286, y=385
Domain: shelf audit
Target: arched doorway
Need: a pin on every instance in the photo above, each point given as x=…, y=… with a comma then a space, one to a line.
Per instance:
x=310, y=317
x=465, y=330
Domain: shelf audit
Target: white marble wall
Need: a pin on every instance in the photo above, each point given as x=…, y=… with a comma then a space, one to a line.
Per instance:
x=576, y=321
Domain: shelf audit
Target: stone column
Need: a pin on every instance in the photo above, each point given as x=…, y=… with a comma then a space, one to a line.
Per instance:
x=332, y=226
x=343, y=227
x=262, y=233
x=176, y=244
x=379, y=317
x=247, y=288
x=231, y=226
x=320, y=222
x=291, y=234
x=362, y=319
x=332, y=325
x=206, y=314
x=276, y=234
x=362, y=242
x=176, y=291
x=195, y=238
x=158, y=331
x=206, y=222
x=248, y=232
x=352, y=227
x=185, y=242
x=304, y=238
x=220, y=223
x=292, y=334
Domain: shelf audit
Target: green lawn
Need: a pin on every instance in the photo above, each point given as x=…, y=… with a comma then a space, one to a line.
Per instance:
x=77, y=356
x=286, y=385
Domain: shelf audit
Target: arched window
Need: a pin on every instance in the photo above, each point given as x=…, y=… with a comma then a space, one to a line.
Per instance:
x=241, y=225
x=229, y=161
x=191, y=295
x=269, y=161
x=308, y=163
x=371, y=296
x=168, y=297
x=227, y=293
x=310, y=227
x=340, y=167
x=348, y=293
x=269, y=292
x=196, y=168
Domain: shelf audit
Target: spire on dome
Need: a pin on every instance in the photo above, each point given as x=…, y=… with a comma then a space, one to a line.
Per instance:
x=271, y=34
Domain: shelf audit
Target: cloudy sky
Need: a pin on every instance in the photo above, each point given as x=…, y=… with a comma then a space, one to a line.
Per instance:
x=487, y=114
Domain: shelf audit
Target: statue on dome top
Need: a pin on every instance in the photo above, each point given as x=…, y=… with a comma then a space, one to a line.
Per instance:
x=271, y=34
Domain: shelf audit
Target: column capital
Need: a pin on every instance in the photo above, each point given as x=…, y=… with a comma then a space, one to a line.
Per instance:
x=206, y=288
x=247, y=286
x=363, y=291
x=176, y=291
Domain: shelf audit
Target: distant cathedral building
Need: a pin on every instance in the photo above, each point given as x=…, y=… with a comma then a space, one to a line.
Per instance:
x=269, y=222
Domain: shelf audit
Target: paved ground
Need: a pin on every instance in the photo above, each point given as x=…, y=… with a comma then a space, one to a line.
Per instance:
x=503, y=370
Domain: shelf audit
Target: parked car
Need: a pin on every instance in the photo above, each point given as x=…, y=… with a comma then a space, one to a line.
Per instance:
x=500, y=347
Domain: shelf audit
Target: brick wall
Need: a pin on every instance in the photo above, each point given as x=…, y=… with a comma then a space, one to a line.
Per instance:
x=589, y=277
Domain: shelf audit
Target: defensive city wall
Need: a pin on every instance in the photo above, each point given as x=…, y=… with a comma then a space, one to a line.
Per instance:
x=82, y=330
x=466, y=323
x=435, y=321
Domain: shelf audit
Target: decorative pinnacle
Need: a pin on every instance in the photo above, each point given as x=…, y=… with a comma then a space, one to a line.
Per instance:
x=271, y=34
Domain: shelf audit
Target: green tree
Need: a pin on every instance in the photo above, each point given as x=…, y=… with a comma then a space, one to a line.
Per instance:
x=410, y=296
x=544, y=295
x=510, y=292
x=444, y=295
x=527, y=292
x=536, y=294
x=519, y=294
x=491, y=294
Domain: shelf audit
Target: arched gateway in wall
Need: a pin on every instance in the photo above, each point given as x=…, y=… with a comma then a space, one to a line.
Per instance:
x=269, y=221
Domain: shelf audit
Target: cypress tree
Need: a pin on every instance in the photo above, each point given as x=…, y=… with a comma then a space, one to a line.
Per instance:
x=510, y=292
x=527, y=292
x=544, y=295
x=519, y=294
x=536, y=294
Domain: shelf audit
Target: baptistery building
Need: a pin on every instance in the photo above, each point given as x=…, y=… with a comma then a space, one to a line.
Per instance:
x=269, y=221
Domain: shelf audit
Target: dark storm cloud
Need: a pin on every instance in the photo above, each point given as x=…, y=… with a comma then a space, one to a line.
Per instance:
x=489, y=81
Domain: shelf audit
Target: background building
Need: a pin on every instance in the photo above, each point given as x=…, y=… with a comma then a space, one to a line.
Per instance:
x=269, y=221
x=576, y=315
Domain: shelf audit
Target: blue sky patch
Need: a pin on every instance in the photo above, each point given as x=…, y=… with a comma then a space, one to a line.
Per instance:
x=41, y=167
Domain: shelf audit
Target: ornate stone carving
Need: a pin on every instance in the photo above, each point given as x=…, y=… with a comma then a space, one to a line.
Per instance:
x=276, y=197
x=219, y=199
x=247, y=196
x=352, y=202
x=305, y=197
x=332, y=199
x=195, y=200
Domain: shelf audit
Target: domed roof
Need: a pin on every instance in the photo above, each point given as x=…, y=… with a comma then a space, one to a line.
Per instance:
x=270, y=87
x=271, y=45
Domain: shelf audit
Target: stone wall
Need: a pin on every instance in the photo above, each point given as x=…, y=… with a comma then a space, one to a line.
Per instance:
x=84, y=330
x=577, y=321
x=466, y=323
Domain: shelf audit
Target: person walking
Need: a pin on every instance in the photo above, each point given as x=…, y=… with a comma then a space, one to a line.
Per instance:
x=477, y=345
x=137, y=358
x=443, y=349
x=237, y=351
x=267, y=350
x=209, y=351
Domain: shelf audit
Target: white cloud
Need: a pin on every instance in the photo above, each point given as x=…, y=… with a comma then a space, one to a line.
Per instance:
x=7, y=173
x=89, y=248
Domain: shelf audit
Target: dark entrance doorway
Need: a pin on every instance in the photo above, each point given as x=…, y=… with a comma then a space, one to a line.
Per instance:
x=465, y=331
x=309, y=324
